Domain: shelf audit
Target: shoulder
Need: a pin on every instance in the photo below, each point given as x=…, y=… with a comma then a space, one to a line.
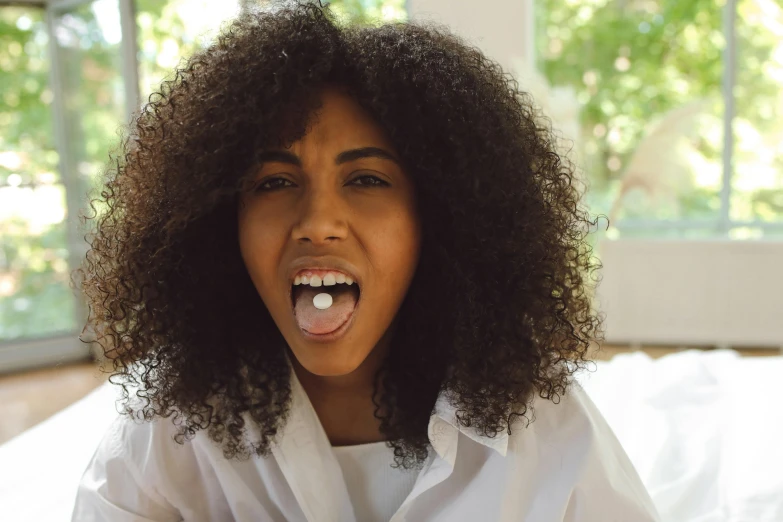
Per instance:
x=146, y=447
x=570, y=442
x=567, y=417
x=569, y=428
x=130, y=472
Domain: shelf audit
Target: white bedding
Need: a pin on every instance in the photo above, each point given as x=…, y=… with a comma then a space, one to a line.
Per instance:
x=703, y=429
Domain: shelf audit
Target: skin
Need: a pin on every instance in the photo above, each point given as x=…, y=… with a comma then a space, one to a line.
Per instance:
x=324, y=208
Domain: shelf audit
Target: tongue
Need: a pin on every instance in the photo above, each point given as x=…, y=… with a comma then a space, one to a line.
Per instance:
x=318, y=321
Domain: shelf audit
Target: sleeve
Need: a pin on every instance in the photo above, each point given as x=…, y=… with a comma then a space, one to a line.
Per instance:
x=608, y=488
x=112, y=488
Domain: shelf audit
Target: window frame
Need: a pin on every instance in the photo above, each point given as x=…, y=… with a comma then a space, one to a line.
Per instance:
x=26, y=353
x=723, y=225
x=19, y=354
x=32, y=352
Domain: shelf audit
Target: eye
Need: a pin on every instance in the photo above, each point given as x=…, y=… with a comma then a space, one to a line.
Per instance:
x=271, y=184
x=368, y=180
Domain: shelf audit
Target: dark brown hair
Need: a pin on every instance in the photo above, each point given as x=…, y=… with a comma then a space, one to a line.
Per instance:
x=498, y=311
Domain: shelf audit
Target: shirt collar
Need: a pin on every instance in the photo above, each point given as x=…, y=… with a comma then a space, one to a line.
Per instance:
x=442, y=430
x=446, y=411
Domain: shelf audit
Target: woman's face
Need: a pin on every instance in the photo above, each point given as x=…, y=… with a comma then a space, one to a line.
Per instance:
x=334, y=206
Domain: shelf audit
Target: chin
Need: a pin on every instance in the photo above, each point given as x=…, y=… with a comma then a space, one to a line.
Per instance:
x=328, y=362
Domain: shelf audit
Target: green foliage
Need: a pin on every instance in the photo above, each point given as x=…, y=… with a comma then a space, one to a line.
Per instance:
x=25, y=113
x=628, y=61
x=369, y=12
x=42, y=302
x=631, y=62
x=164, y=41
x=35, y=298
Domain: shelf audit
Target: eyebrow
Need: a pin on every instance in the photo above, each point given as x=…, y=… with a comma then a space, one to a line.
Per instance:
x=364, y=152
x=282, y=156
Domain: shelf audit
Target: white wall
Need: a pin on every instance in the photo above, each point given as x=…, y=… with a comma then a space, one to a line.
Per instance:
x=502, y=29
x=717, y=292
x=725, y=293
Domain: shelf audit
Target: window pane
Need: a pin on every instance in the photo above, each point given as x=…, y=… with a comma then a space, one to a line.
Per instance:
x=35, y=297
x=27, y=149
x=87, y=40
x=370, y=11
x=758, y=125
x=172, y=30
x=647, y=76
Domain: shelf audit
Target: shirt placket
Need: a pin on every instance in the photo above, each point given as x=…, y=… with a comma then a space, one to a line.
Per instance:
x=305, y=457
x=443, y=438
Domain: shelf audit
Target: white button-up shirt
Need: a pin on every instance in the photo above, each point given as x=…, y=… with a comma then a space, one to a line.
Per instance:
x=565, y=466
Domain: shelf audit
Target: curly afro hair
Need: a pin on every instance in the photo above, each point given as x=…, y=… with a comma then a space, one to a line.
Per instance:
x=499, y=310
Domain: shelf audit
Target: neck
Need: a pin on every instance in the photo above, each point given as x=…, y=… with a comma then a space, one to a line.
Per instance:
x=344, y=403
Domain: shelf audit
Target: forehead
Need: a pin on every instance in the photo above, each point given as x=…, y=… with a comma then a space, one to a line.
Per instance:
x=340, y=122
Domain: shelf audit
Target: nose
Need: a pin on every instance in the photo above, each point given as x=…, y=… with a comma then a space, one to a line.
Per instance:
x=322, y=218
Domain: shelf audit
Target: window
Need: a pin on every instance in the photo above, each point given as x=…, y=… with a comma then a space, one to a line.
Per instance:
x=60, y=118
x=370, y=11
x=658, y=83
x=171, y=30
x=35, y=299
x=757, y=186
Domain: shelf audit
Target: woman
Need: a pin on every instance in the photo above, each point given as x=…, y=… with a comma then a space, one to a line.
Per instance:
x=342, y=275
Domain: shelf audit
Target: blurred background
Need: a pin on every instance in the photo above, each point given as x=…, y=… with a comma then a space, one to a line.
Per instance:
x=671, y=110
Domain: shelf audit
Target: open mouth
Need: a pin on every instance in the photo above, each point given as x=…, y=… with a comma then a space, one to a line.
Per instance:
x=324, y=322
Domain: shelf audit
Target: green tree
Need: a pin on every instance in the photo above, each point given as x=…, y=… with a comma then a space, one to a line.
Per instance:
x=366, y=12
x=34, y=295
x=633, y=62
x=35, y=298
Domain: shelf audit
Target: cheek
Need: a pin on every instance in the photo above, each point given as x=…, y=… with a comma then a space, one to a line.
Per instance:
x=260, y=243
x=395, y=246
x=410, y=230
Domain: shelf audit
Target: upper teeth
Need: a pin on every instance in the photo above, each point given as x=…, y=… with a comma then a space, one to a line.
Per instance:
x=330, y=279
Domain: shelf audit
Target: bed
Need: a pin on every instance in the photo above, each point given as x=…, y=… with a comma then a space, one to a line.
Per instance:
x=704, y=430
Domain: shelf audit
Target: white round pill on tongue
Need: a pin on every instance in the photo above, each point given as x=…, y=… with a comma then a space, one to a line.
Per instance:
x=322, y=301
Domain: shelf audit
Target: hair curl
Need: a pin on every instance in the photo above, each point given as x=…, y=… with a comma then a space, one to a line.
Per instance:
x=499, y=309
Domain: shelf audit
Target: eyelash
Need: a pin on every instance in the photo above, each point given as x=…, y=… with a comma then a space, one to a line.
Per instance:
x=260, y=187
